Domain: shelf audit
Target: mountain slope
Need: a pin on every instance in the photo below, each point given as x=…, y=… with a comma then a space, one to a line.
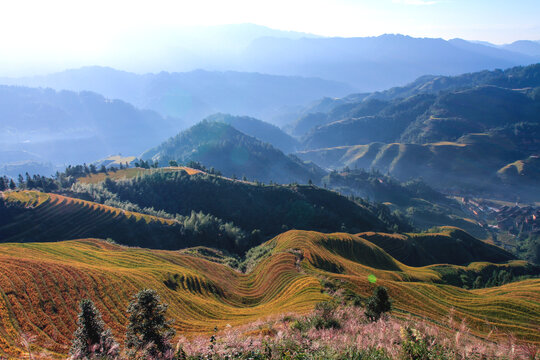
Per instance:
x=265, y=209
x=449, y=246
x=195, y=94
x=374, y=63
x=219, y=145
x=259, y=129
x=68, y=127
x=34, y=216
x=470, y=164
x=424, y=118
x=328, y=110
x=38, y=296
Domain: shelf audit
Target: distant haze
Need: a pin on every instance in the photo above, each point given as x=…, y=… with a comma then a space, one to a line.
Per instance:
x=41, y=37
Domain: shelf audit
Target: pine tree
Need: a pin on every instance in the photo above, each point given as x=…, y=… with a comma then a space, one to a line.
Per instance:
x=378, y=304
x=148, y=329
x=92, y=339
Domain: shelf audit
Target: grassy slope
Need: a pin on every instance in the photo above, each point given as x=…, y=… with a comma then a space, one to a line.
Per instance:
x=131, y=173
x=41, y=283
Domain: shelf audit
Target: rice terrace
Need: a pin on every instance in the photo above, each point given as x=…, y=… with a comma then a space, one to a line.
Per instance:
x=270, y=180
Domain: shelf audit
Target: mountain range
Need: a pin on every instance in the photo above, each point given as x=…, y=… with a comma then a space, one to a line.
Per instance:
x=454, y=132
x=194, y=95
x=64, y=127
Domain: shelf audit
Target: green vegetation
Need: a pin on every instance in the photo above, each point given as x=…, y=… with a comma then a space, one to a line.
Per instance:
x=413, y=201
x=91, y=339
x=445, y=245
x=489, y=275
x=378, y=304
x=258, y=129
x=219, y=145
x=148, y=333
x=268, y=208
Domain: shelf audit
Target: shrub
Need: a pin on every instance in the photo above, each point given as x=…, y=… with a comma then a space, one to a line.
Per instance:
x=325, y=317
x=417, y=346
x=91, y=339
x=148, y=330
x=378, y=304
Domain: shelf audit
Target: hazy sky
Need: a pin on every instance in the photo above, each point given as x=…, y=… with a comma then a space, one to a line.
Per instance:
x=75, y=28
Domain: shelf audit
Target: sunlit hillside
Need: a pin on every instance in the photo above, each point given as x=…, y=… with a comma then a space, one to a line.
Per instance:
x=41, y=283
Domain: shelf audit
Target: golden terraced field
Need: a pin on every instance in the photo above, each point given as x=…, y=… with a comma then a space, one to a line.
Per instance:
x=41, y=284
x=131, y=173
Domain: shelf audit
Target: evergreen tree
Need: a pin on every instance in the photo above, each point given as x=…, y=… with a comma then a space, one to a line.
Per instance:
x=12, y=185
x=3, y=183
x=92, y=339
x=148, y=329
x=378, y=304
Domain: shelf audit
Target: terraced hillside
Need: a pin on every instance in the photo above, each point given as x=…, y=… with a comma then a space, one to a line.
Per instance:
x=448, y=246
x=41, y=283
x=33, y=216
x=474, y=162
x=134, y=172
x=265, y=209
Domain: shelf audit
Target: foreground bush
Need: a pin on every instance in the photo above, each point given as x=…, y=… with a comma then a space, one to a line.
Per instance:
x=91, y=339
x=148, y=332
x=331, y=331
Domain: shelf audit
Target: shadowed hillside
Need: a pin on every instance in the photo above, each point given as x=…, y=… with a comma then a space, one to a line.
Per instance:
x=259, y=129
x=470, y=164
x=31, y=216
x=424, y=118
x=449, y=246
x=219, y=145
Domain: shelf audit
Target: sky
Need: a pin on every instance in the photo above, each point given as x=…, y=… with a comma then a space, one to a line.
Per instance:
x=31, y=29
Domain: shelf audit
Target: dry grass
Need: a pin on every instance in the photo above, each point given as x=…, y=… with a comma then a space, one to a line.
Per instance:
x=131, y=173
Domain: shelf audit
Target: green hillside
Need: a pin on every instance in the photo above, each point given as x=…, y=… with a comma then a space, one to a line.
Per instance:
x=472, y=164
x=30, y=216
x=259, y=129
x=221, y=146
x=268, y=209
x=33, y=216
x=425, y=118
